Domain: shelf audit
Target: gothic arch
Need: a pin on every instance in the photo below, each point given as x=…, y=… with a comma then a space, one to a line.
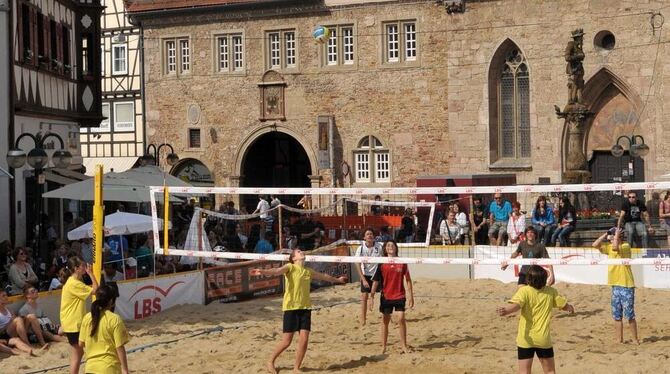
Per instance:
x=497, y=62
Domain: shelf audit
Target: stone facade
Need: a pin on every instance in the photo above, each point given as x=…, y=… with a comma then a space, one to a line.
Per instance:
x=433, y=115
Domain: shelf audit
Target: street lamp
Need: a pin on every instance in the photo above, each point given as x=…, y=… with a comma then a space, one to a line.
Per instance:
x=635, y=149
x=153, y=152
x=38, y=159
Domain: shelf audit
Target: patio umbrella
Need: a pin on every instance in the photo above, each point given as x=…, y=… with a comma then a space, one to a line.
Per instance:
x=119, y=223
x=131, y=185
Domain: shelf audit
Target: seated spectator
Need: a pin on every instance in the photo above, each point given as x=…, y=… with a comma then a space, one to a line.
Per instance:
x=37, y=321
x=290, y=240
x=145, y=256
x=240, y=234
x=118, y=247
x=516, y=225
x=376, y=210
x=633, y=212
x=58, y=281
x=14, y=328
x=21, y=272
x=479, y=225
x=499, y=213
x=664, y=215
x=61, y=257
x=384, y=235
x=450, y=231
x=462, y=221
x=110, y=274
x=231, y=241
x=543, y=220
x=567, y=218
x=264, y=244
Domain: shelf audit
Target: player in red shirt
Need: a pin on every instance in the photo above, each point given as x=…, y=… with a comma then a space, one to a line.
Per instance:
x=393, y=297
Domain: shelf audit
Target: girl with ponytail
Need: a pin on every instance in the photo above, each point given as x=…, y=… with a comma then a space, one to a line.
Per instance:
x=104, y=335
x=73, y=306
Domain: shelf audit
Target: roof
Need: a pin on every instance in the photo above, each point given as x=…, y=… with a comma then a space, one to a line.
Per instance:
x=137, y=6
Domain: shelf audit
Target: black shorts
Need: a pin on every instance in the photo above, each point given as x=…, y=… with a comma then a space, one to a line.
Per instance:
x=296, y=320
x=367, y=290
x=529, y=353
x=522, y=278
x=387, y=306
x=72, y=337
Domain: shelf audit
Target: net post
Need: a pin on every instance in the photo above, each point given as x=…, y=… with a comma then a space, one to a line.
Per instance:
x=166, y=216
x=98, y=218
x=281, y=231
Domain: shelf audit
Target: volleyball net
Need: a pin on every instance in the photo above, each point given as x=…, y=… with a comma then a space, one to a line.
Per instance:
x=467, y=225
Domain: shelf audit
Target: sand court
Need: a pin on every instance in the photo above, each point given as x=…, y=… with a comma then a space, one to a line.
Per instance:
x=452, y=329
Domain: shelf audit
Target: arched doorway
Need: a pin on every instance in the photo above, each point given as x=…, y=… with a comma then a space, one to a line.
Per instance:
x=616, y=113
x=275, y=159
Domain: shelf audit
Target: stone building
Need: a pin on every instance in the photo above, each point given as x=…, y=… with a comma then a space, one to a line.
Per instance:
x=411, y=88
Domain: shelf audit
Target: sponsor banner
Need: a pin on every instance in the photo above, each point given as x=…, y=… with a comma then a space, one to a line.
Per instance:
x=144, y=297
x=563, y=273
x=232, y=282
x=335, y=269
x=658, y=275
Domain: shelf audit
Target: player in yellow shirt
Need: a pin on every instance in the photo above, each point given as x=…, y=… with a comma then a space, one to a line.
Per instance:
x=104, y=336
x=73, y=306
x=620, y=277
x=297, y=305
x=536, y=301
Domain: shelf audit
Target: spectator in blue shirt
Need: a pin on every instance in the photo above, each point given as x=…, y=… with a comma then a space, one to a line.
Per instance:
x=264, y=244
x=543, y=220
x=499, y=213
x=118, y=244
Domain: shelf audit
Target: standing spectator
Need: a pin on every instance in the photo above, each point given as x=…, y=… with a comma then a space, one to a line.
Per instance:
x=118, y=245
x=263, y=208
x=60, y=259
x=516, y=225
x=543, y=220
x=478, y=221
x=450, y=230
x=499, y=213
x=384, y=235
x=653, y=206
x=620, y=277
x=632, y=213
x=21, y=272
x=407, y=228
x=240, y=234
x=664, y=215
x=264, y=245
x=567, y=218
x=145, y=255
x=462, y=221
x=376, y=210
x=367, y=271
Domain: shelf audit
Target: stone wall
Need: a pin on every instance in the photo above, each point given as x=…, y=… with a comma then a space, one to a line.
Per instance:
x=433, y=116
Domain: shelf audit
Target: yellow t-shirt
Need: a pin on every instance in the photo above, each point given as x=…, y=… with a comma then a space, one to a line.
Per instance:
x=296, y=288
x=100, y=349
x=73, y=304
x=535, y=320
x=618, y=275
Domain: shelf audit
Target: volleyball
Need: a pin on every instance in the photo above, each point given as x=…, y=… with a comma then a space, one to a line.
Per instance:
x=321, y=34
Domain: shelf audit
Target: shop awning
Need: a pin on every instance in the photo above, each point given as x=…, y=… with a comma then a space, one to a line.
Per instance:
x=57, y=178
x=109, y=164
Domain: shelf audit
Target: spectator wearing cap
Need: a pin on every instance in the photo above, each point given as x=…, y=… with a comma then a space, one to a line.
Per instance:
x=530, y=247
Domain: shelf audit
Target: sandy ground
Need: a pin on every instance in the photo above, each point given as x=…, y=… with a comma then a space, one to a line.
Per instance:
x=453, y=329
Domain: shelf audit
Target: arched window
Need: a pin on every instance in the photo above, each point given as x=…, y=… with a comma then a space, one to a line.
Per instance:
x=509, y=104
x=372, y=161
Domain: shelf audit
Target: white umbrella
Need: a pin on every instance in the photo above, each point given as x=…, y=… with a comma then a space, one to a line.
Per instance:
x=119, y=223
x=131, y=185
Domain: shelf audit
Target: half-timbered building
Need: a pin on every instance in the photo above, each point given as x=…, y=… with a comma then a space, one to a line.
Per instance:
x=119, y=140
x=52, y=69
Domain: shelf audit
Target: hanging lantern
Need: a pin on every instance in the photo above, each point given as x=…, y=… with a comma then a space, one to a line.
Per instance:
x=321, y=34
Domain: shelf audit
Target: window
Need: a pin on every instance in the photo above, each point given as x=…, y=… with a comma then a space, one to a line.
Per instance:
x=119, y=59
x=102, y=60
x=372, y=161
x=177, y=56
x=194, y=138
x=66, y=49
x=400, y=41
x=104, y=125
x=230, y=52
x=281, y=49
x=339, y=50
x=124, y=116
x=509, y=88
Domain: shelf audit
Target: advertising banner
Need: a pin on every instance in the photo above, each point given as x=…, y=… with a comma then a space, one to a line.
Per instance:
x=335, y=269
x=144, y=297
x=232, y=282
x=656, y=276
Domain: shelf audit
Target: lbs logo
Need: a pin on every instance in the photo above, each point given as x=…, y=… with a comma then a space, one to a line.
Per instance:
x=144, y=307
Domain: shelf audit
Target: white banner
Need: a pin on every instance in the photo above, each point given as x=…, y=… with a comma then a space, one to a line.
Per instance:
x=657, y=275
x=144, y=297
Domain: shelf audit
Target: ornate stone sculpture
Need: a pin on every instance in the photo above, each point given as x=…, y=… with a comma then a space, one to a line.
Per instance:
x=575, y=114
